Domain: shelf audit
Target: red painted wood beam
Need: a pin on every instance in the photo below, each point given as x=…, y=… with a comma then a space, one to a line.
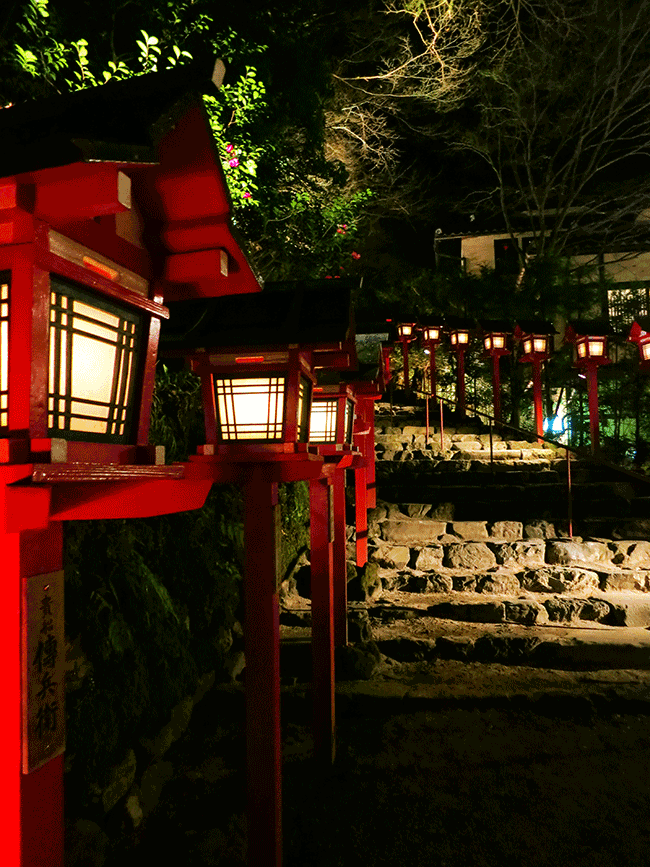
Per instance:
x=262, y=650
x=322, y=618
x=89, y=192
x=340, y=562
x=31, y=819
x=361, y=514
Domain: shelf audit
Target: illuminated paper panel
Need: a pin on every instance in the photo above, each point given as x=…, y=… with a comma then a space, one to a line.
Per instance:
x=250, y=408
x=322, y=424
x=91, y=364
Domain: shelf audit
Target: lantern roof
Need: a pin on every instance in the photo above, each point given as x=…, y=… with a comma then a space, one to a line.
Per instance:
x=640, y=328
x=459, y=323
x=314, y=315
x=533, y=326
x=118, y=122
x=153, y=128
x=495, y=326
x=578, y=328
x=382, y=320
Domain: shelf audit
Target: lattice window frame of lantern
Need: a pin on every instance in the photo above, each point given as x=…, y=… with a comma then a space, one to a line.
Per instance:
x=5, y=308
x=338, y=410
x=325, y=412
x=226, y=421
x=79, y=317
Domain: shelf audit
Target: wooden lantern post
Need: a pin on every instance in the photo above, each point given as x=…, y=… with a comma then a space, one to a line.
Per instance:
x=331, y=427
x=257, y=416
x=431, y=337
x=256, y=357
x=590, y=341
x=495, y=337
x=536, y=340
x=80, y=317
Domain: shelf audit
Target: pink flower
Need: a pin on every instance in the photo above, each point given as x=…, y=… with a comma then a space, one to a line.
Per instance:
x=233, y=163
x=230, y=148
x=247, y=195
x=356, y=255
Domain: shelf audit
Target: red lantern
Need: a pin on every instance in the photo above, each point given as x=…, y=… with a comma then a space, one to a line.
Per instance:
x=495, y=339
x=431, y=337
x=406, y=334
x=535, y=337
x=640, y=334
x=81, y=211
x=590, y=340
x=257, y=401
x=459, y=337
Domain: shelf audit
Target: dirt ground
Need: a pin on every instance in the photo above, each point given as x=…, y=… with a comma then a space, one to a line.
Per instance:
x=474, y=765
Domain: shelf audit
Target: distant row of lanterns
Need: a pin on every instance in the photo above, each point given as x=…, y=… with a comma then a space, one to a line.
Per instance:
x=536, y=338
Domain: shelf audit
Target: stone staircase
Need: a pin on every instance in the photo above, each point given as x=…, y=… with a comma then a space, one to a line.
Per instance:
x=471, y=558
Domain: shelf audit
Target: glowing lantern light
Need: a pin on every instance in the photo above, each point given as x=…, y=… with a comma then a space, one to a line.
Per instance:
x=93, y=355
x=332, y=413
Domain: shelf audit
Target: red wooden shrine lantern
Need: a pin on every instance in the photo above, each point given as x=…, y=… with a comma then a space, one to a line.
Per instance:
x=257, y=398
x=406, y=334
x=431, y=335
x=459, y=337
x=331, y=429
x=537, y=343
x=369, y=384
x=590, y=341
x=495, y=339
x=83, y=273
x=640, y=334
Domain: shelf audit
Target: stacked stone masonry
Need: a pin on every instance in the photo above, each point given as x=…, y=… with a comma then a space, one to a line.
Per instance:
x=401, y=442
x=499, y=557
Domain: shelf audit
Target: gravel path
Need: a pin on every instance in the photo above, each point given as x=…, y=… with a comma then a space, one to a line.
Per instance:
x=553, y=771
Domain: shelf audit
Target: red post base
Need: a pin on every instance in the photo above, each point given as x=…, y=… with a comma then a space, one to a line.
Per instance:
x=262, y=649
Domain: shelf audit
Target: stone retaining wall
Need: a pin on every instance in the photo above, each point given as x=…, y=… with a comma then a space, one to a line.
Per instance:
x=423, y=554
x=409, y=442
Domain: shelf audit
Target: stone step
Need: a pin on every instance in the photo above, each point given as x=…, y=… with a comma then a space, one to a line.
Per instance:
x=403, y=635
x=621, y=609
